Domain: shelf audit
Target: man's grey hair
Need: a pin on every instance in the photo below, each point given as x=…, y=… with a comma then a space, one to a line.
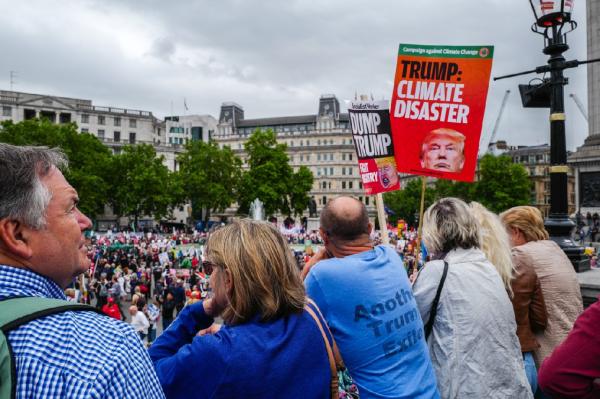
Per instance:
x=23, y=197
x=449, y=224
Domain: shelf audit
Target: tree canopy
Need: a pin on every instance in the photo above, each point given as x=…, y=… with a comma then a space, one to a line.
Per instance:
x=271, y=179
x=501, y=185
x=209, y=176
x=89, y=159
x=142, y=184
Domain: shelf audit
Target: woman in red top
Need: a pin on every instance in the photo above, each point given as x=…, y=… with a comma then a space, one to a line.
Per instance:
x=112, y=309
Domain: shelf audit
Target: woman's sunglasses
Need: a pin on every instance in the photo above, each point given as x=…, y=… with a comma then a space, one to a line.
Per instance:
x=208, y=266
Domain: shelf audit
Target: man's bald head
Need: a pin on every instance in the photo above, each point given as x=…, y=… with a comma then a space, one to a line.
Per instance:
x=345, y=219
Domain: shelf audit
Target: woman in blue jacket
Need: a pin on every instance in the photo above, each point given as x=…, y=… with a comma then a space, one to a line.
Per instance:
x=268, y=347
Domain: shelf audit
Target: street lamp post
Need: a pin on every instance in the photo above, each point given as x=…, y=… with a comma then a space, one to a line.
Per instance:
x=553, y=22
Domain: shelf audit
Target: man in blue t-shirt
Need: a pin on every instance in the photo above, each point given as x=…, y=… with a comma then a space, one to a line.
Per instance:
x=365, y=296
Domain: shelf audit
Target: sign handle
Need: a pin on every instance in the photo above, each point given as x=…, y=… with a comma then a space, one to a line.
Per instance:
x=420, y=228
x=381, y=217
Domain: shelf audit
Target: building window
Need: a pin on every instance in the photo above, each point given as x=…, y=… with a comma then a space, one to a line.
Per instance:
x=85, y=130
x=301, y=158
x=318, y=157
x=117, y=136
x=307, y=143
x=324, y=200
x=343, y=185
x=117, y=121
x=343, y=171
x=350, y=157
x=6, y=111
x=131, y=137
x=308, y=157
x=101, y=120
x=301, y=143
x=360, y=185
x=132, y=123
x=318, y=171
x=101, y=134
x=324, y=185
x=331, y=171
x=85, y=118
x=366, y=200
x=350, y=185
x=343, y=156
x=350, y=171
x=318, y=142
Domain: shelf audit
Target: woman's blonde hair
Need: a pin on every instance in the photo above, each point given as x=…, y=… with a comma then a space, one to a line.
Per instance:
x=448, y=224
x=526, y=219
x=495, y=243
x=264, y=276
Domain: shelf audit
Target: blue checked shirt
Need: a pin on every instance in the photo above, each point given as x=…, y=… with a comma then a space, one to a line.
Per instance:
x=75, y=354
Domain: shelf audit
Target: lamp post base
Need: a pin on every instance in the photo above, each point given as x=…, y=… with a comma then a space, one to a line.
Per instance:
x=559, y=227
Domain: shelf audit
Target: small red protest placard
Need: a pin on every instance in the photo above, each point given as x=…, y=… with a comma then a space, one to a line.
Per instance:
x=372, y=137
x=437, y=109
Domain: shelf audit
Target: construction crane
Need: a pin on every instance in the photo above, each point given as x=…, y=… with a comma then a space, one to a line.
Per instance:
x=497, y=123
x=579, y=105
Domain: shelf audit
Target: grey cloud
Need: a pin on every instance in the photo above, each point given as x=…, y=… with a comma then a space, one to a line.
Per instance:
x=277, y=57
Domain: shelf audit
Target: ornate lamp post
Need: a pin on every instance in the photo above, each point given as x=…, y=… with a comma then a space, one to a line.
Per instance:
x=553, y=22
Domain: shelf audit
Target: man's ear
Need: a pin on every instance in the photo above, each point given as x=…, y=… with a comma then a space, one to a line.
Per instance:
x=324, y=236
x=14, y=238
x=370, y=228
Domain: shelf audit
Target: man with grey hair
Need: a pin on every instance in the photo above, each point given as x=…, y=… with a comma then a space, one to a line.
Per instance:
x=72, y=354
x=365, y=296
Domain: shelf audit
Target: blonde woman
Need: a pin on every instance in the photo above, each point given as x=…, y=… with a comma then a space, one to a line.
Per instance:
x=471, y=329
x=540, y=261
x=495, y=243
x=522, y=286
x=269, y=346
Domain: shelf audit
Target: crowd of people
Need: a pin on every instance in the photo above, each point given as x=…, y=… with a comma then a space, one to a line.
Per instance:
x=495, y=311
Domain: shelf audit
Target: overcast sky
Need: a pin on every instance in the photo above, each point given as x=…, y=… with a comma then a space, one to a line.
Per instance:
x=273, y=57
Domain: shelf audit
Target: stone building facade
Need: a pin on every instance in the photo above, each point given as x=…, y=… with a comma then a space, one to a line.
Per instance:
x=322, y=142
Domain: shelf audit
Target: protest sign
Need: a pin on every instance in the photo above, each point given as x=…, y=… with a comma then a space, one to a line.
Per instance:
x=437, y=111
x=163, y=258
x=372, y=137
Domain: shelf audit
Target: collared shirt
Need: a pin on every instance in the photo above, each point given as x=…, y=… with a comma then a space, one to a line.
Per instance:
x=75, y=354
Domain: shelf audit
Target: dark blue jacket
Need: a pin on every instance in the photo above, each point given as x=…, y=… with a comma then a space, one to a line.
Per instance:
x=284, y=358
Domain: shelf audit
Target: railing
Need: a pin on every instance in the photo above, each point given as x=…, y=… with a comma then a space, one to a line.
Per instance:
x=113, y=110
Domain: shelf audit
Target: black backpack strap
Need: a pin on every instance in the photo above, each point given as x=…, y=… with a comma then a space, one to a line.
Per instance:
x=434, y=305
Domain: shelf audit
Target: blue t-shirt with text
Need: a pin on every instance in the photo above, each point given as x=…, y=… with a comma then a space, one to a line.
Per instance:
x=367, y=301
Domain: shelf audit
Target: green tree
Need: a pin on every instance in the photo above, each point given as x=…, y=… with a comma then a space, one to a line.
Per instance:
x=271, y=179
x=209, y=177
x=502, y=184
x=406, y=203
x=459, y=189
x=143, y=185
x=89, y=159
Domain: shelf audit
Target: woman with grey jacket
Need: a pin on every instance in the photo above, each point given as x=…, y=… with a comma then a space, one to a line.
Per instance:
x=472, y=343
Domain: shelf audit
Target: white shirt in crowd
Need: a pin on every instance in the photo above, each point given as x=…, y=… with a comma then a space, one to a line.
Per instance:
x=139, y=322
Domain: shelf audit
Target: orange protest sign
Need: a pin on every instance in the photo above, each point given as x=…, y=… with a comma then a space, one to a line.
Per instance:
x=437, y=109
